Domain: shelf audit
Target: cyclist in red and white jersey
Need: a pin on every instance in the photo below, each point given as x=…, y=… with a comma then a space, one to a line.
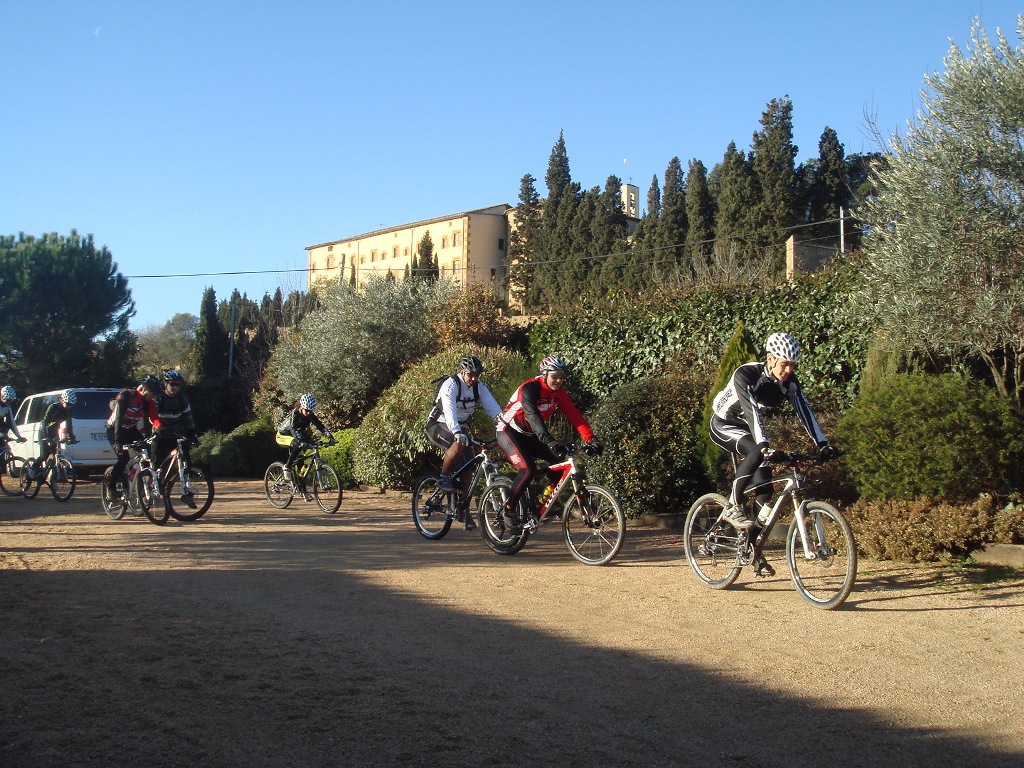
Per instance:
x=522, y=430
x=133, y=414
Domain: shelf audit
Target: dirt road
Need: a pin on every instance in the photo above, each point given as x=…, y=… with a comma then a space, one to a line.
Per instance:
x=265, y=637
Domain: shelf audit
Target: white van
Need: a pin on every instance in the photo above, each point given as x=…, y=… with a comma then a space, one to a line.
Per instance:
x=91, y=411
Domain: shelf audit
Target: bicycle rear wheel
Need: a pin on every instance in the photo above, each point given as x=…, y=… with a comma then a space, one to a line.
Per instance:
x=191, y=502
x=326, y=487
x=151, y=498
x=62, y=479
x=492, y=527
x=430, y=507
x=116, y=507
x=10, y=478
x=824, y=580
x=277, y=486
x=594, y=534
x=712, y=544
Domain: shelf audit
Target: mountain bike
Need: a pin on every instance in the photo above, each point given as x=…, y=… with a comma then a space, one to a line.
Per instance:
x=189, y=490
x=309, y=469
x=820, y=549
x=138, y=488
x=57, y=472
x=434, y=510
x=12, y=468
x=592, y=521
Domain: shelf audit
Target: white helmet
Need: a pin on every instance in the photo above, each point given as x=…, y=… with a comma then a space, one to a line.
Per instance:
x=307, y=401
x=68, y=397
x=8, y=394
x=783, y=346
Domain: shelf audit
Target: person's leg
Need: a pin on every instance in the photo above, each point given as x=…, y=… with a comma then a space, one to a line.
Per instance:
x=739, y=442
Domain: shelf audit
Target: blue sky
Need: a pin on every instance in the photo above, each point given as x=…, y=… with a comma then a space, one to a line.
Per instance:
x=225, y=136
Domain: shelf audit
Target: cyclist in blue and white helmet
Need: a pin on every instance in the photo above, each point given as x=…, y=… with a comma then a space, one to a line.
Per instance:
x=57, y=415
x=8, y=396
x=296, y=431
x=737, y=425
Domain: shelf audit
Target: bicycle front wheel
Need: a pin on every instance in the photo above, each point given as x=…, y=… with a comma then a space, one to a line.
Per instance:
x=825, y=576
x=594, y=532
x=492, y=526
x=326, y=487
x=30, y=485
x=430, y=507
x=10, y=478
x=189, y=502
x=151, y=498
x=277, y=486
x=62, y=479
x=712, y=544
x=114, y=507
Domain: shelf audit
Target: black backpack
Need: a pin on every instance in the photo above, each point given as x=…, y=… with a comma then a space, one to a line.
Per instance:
x=437, y=410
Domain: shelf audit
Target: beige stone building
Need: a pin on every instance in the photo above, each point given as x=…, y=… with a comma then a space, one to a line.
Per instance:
x=471, y=248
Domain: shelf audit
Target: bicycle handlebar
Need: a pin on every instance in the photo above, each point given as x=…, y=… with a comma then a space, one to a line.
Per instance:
x=795, y=459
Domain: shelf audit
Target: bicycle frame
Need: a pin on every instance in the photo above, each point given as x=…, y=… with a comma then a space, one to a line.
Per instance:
x=792, y=484
x=486, y=467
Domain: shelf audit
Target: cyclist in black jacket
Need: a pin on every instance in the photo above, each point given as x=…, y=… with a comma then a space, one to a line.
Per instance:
x=296, y=430
x=737, y=425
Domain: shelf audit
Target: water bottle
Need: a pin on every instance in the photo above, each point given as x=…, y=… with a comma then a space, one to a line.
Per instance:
x=546, y=494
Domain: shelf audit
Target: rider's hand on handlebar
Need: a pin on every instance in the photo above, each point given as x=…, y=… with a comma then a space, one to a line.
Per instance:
x=560, y=451
x=594, y=447
x=462, y=437
x=826, y=452
x=776, y=457
x=22, y=440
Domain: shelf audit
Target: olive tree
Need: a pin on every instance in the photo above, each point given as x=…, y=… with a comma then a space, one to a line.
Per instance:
x=944, y=251
x=357, y=344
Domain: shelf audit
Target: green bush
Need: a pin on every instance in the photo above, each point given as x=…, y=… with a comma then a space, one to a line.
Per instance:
x=917, y=436
x=340, y=457
x=930, y=530
x=652, y=430
x=393, y=447
x=246, y=451
x=739, y=351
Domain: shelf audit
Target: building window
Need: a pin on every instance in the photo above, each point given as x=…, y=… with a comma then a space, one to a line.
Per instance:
x=362, y=259
x=373, y=255
x=405, y=252
x=444, y=242
x=330, y=262
x=457, y=239
x=455, y=267
x=312, y=267
x=394, y=252
x=330, y=248
x=501, y=243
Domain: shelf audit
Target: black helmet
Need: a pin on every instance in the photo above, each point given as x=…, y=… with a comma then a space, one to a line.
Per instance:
x=152, y=383
x=471, y=364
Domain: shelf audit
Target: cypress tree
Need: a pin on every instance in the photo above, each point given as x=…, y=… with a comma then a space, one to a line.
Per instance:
x=773, y=158
x=700, y=214
x=739, y=350
x=210, y=353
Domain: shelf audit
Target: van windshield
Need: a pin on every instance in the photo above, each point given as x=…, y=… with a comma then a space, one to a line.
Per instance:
x=92, y=405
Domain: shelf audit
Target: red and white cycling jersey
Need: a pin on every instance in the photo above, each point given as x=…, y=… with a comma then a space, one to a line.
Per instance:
x=534, y=403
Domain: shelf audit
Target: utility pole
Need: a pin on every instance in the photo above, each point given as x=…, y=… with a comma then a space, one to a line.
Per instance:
x=231, y=342
x=842, y=230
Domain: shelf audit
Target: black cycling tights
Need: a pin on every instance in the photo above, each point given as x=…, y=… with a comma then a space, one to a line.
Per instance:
x=752, y=469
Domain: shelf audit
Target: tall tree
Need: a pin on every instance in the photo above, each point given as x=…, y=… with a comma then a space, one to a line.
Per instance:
x=210, y=353
x=827, y=187
x=426, y=259
x=700, y=213
x=558, y=214
x=737, y=195
x=523, y=240
x=672, y=226
x=773, y=158
x=65, y=309
x=945, y=247
x=169, y=345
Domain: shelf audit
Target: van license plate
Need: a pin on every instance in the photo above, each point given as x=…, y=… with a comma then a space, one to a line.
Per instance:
x=99, y=437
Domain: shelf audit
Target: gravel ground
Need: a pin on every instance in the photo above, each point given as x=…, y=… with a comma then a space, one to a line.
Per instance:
x=265, y=637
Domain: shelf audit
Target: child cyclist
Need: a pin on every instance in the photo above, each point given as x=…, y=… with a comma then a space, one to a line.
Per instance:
x=296, y=431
